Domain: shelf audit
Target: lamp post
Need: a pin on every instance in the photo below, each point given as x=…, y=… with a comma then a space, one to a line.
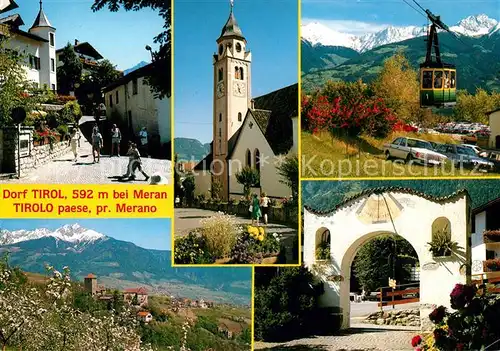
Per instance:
x=148, y=48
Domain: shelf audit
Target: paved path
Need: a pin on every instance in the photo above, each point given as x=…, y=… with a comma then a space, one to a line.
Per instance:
x=64, y=170
x=358, y=338
x=188, y=219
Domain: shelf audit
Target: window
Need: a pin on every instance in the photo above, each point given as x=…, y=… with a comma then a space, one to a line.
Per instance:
x=427, y=80
x=257, y=160
x=438, y=79
x=220, y=117
x=221, y=74
x=117, y=99
x=34, y=62
x=110, y=100
x=239, y=117
x=220, y=132
x=52, y=65
x=249, y=159
x=447, y=79
x=134, y=86
x=441, y=232
x=53, y=87
x=52, y=39
x=452, y=80
x=322, y=244
x=236, y=72
x=241, y=73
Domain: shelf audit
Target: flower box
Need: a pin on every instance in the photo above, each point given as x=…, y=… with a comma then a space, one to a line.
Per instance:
x=492, y=265
x=270, y=260
x=491, y=236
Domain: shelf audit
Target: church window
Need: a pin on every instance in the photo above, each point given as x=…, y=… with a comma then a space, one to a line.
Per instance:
x=220, y=117
x=241, y=73
x=257, y=162
x=220, y=132
x=52, y=39
x=249, y=159
x=221, y=74
x=52, y=65
x=239, y=117
x=238, y=47
x=236, y=72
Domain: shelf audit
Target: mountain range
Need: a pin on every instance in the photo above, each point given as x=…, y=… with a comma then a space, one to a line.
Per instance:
x=120, y=264
x=188, y=149
x=476, y=54
x=136, y=67
x=317, y=33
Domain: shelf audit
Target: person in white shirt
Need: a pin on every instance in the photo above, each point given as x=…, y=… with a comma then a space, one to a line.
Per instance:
x=116, y=138
x=143, y=136
x=74, y=141
x=264, y=205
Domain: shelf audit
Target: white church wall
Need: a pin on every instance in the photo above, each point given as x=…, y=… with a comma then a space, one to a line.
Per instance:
x=27, y=47
x=414, y=223
x=202, y=181
x=251, y=138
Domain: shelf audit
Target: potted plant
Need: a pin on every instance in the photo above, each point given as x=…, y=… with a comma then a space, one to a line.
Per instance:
x=323, y=251
x=442, y=245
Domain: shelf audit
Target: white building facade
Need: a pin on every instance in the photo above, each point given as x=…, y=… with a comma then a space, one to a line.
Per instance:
x=37, y=45
x=130, y=99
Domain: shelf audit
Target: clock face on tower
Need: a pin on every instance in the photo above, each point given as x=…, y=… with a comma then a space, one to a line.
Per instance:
x=220, y=89
x=239, y=88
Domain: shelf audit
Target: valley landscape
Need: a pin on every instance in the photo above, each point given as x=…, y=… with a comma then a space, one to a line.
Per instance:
x=199, y=308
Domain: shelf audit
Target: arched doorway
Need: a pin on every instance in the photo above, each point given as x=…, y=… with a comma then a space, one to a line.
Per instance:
x=380, y=211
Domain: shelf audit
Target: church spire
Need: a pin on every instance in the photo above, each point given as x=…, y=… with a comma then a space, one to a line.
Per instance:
x=231, y=28
x=41, y=20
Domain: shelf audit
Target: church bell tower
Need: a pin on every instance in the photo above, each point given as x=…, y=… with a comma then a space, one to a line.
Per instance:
x=232, y=95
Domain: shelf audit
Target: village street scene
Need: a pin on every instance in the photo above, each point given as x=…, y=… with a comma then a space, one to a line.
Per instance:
x=77, y=108
x=373, y=253
x=236, y=163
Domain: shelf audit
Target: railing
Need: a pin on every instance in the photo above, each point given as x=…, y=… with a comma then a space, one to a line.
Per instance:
x=412, y=289
x=480, y=280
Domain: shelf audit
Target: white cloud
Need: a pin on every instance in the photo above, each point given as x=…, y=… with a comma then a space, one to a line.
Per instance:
x=348, y=26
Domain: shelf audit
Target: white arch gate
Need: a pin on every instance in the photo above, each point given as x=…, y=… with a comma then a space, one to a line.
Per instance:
x=414, y=216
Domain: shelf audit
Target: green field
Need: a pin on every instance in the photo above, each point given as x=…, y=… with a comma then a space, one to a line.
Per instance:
x=325, y=156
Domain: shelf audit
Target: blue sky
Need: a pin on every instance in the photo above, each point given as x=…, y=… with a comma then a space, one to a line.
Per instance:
x=119, y=36
x=271, y=30
x=362, y=16
x=146, y=233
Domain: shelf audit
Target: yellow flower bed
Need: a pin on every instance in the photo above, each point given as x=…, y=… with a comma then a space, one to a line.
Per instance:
x=257, y=233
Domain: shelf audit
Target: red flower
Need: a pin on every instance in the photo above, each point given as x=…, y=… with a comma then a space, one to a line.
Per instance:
x=416, y=340
x=460, y=346
x=438, y=314
x=462, y=295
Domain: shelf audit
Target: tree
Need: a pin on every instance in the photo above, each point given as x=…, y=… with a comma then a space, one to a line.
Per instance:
x=15, y=89
x=284, y=306
x=248, y=177
x=374, y=263
x=289, y=173
x=189, y=187
x=159, y=78
x=70, y=72
x=473, y=108
x=397, y=84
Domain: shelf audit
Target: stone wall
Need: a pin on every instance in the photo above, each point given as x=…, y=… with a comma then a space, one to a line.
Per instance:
x=38, y=156
x=395, y=317
x=276, y=214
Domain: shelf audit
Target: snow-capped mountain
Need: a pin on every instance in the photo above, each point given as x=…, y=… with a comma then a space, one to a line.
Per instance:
x=319, y=34
x=69, y=233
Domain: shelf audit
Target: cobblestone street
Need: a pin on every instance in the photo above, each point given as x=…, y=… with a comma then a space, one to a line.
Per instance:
x=64, y=170
x=359, y=337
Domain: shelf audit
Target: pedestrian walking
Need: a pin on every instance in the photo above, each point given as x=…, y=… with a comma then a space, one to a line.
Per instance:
x=135, y=163
x=74, y=142
x=116, y=138
x=264, y=204
x=96, y=144
x=256, y=213
x=143, y=137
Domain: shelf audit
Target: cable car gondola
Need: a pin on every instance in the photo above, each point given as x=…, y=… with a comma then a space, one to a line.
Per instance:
x=438, y=80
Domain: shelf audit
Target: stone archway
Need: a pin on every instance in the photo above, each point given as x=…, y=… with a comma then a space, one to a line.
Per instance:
x=409, y=214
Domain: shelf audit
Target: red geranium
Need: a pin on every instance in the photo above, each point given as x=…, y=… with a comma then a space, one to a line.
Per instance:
x=416, y=340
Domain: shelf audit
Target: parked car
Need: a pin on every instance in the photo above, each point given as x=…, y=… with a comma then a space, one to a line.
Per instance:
x=410, y=149
x=410, y=294
x=480, y=152
x=465, y=156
